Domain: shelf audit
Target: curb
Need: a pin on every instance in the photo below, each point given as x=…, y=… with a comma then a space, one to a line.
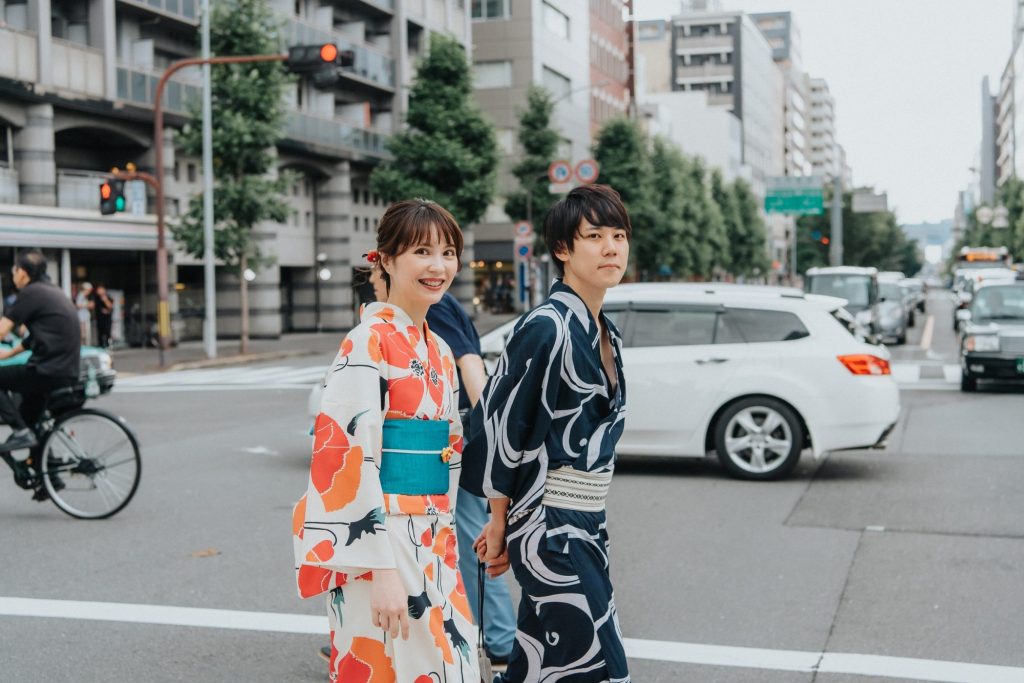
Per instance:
x=239, y=359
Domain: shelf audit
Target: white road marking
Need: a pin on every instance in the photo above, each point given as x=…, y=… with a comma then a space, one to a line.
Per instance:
x=877, y=666
x=224, y=379
x=929, y=330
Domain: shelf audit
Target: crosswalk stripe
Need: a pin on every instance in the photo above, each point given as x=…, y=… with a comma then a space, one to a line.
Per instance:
x=880, y=667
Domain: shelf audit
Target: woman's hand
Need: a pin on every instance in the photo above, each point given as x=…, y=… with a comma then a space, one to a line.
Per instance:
x=389, y=603
x=490, y=547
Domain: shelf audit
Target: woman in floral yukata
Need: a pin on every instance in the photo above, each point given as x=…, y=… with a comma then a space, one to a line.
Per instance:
x=542, y=449
x=375, y=530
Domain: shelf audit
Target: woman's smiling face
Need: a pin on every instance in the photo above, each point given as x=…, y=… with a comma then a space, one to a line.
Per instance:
x=421, y=274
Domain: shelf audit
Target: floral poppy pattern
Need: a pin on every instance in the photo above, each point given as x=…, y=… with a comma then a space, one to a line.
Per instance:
x=345, y=526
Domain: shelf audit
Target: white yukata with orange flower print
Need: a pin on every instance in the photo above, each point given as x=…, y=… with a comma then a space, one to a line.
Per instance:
x=345, y=526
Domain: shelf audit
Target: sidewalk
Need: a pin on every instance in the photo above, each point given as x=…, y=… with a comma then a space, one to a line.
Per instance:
x=191, y=354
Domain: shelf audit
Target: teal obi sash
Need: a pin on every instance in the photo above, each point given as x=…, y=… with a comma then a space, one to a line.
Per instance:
x=415, y=457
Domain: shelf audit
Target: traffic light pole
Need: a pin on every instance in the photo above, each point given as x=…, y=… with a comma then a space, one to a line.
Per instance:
x=163, y=311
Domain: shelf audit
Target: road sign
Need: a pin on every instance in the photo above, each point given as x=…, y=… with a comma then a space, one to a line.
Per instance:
x=523, y=229
x=560, y=171
x=587, y=170
x=807, y=202
x=524, y=251
x=869, y=202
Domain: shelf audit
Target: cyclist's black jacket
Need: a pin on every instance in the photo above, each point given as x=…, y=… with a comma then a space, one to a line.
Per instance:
x=52, y=322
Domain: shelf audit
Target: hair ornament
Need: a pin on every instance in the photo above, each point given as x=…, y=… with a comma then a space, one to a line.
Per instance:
x=372, y=256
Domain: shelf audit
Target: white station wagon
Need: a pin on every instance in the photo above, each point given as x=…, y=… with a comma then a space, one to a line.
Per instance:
x=755, y=374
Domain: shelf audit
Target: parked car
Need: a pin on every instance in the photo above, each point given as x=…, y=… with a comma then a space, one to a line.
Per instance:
x=95, y=364
x=992, y=344
x=754, y=374
x=858, y=286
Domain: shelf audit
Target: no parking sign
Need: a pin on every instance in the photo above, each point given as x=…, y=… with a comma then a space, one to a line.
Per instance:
x=587, y=170
x=560, y=171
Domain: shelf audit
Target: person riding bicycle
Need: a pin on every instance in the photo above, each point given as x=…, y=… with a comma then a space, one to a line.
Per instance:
x=54, y=339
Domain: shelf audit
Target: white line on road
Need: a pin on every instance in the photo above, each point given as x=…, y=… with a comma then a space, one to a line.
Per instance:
x=877, y=666
x=929, y=330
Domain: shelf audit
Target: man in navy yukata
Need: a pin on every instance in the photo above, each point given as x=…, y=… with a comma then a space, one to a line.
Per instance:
x=542, y=450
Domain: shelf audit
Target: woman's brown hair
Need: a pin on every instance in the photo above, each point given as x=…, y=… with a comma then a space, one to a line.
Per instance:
x=412, y=222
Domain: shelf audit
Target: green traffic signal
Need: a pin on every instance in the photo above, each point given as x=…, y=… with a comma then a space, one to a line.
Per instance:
x=119, y=203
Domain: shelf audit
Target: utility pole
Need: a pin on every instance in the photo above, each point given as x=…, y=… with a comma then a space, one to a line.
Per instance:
x=209, y=267
x=835, y=251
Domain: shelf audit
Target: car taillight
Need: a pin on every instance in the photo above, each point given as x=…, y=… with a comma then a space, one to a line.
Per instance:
x=865, y=364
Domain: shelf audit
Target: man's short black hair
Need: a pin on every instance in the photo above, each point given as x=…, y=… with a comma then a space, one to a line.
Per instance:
x=33, y=263
x=600, y=205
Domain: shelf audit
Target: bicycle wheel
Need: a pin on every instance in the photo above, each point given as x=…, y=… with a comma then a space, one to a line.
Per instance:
x=90, y=463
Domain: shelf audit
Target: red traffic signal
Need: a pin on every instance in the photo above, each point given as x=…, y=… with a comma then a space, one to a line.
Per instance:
x=328, y=53
x=112, y=197
x=320, y=61
x=105, y=191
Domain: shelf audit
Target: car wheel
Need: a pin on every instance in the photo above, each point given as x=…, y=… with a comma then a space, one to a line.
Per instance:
x=759, y=438
x=968, y=383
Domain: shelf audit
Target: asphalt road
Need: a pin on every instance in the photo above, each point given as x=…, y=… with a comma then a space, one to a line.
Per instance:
x=913, y=553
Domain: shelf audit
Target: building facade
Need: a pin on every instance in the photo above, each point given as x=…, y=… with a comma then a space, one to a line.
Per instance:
x=824, y=151
x=77, y=85
x=610, y=92
x=516, y=43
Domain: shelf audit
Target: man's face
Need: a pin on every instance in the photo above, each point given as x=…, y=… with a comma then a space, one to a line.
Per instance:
x=20, y=277
x=598, y=257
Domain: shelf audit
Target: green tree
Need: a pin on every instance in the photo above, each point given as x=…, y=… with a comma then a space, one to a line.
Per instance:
x=247, y=120
x=539, y=142
x=723, y=194
x=664, y=244
x=749, y=250
x=869, y=239
x=625, y=164
x=705, y=236
x=448, y=152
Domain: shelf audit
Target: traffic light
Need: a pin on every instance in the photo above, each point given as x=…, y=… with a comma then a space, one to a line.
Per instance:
x=321, y=61
x=111, y=197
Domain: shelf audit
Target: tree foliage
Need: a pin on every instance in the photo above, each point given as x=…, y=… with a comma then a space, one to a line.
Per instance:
x=539, y=142
x=247, y=121
x=869, y=239
x=977, y=234
x=448, y=152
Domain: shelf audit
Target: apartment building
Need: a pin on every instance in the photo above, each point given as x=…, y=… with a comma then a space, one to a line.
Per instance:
x=77, y=85
x=516, y=43
x=610, y=93
x=824, y=151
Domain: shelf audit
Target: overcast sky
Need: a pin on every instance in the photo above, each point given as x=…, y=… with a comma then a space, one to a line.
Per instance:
x=906, y=76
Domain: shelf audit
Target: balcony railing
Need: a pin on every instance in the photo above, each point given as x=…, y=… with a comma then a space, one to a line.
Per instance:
x=18, y=54
x=79, y=189
x=369, y=63
x=704, y=71
x=139, y=87
x=685, y=43
x=333, y=133
x=9, y=186
x=77, y=67
x=188, y=9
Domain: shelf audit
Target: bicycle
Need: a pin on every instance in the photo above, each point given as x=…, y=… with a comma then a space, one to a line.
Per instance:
x=87, y=460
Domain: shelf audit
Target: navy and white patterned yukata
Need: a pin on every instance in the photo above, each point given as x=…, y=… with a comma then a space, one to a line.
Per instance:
x=549, y=405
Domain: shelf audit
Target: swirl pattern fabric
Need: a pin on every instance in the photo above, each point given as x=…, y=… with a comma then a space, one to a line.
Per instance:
x=550, y=405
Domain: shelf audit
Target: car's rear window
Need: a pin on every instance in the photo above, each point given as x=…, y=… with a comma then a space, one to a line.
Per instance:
x=749, y=325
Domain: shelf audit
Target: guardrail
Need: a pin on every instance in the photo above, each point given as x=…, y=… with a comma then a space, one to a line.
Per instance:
x=139, y=87
x=327, y=132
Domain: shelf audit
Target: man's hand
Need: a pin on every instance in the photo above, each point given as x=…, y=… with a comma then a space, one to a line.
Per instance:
x=490, y=547
x=389, y=604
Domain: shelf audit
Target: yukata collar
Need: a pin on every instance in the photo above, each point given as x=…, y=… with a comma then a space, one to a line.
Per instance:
x=566, y=295
x=390, y=313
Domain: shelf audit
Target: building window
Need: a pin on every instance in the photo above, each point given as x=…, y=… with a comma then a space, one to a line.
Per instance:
x=556, y=21
x=559, y=85
x=492, y=75
x=191, y=173
x=485, y=10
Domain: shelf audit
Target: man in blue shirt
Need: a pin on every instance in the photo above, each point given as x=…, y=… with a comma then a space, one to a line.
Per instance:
x=449, y=321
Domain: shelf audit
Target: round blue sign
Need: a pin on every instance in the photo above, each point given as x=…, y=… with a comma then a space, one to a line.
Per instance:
x=524, y=249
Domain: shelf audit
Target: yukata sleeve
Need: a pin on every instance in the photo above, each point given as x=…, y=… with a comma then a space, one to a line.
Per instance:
x=504, y=456
x=339, y=523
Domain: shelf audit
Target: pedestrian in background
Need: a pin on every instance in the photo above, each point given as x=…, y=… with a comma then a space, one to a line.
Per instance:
x=103, y=306
x=449, y=320
x=375, y=529
x=542, y=449
x=84, y=304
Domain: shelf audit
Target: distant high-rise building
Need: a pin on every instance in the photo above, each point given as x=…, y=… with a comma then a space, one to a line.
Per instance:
x=824, y=154
x=1009, y=119
x=987, y=155
x=610, y=94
